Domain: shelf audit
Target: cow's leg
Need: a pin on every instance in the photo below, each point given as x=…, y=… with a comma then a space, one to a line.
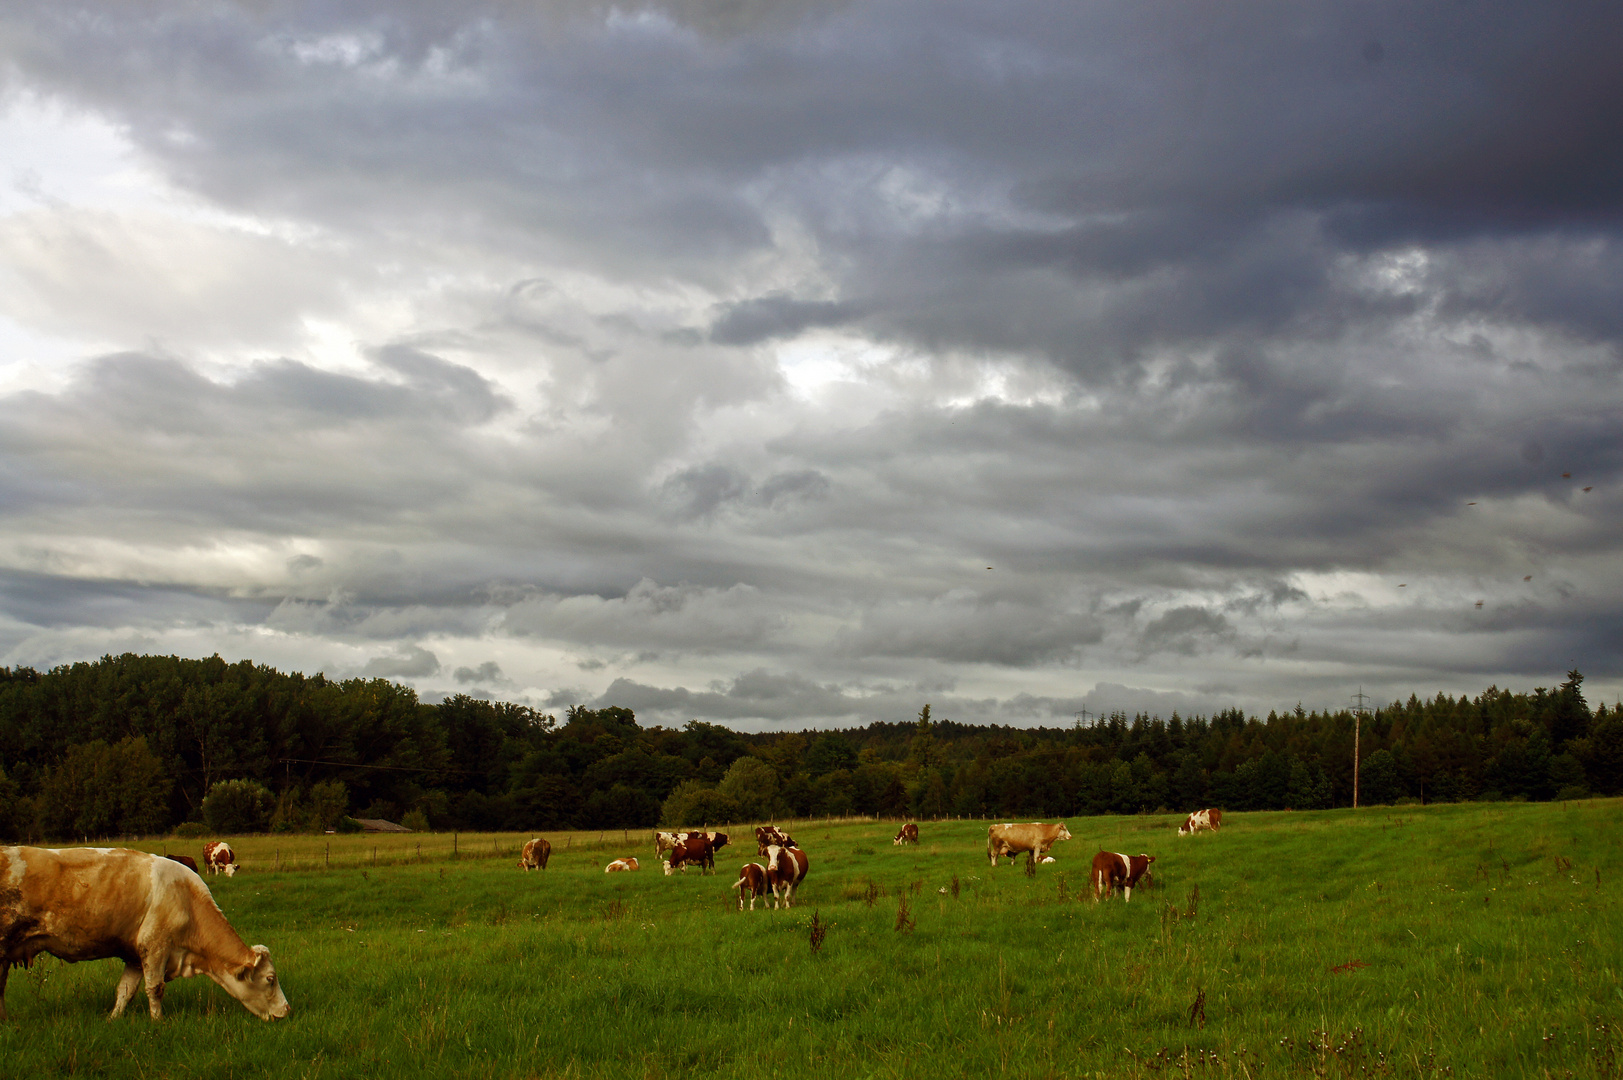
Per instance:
x=152, y=972
x=1127, y=894
x=5, y=970
x=128, y=983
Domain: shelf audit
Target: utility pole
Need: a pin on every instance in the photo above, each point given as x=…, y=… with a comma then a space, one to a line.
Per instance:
x=1359, y=709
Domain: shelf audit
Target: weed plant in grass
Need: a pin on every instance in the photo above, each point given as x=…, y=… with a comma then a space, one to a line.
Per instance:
x=1446, y=941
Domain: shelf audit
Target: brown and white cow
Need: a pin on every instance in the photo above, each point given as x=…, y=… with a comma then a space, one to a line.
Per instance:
x=146, y=910
x=752, y=877
x=535, y=854
x=767, y=835
x=664, y=841
x=694, y=851
x=908, y=835
x=219, y=858
x=185, y=860
x=621, y=865
x=1034, y=837
x=1113, y=870
x=785, y=870
x=1211, y=820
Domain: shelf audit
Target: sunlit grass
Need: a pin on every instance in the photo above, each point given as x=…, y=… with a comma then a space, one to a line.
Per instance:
x=1459, y=941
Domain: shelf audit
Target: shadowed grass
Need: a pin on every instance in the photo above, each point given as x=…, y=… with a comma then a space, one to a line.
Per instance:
x=1468, y=940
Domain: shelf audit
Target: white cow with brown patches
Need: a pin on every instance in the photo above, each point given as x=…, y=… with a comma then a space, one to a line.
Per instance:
x=218, y=858
x=785, y=870
x=152, y=913
x=1209, y=820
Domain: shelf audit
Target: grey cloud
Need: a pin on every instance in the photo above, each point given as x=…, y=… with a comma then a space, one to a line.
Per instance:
x=675, y=616
x=763, y=318
x=964, y=629
x=1142, y=305
x=1186, y=630
x=487, y=672
x=412, y=661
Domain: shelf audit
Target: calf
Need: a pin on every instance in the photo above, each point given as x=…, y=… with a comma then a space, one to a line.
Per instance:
x=908, y=835
x=219, y=858
x=1211, y=820
x=535, y=855
x=767, y=835
x=621, y=865
x=1112, y=870
x=785, y=870
x=696, y=851
x=185, y=860
x=753, y=878
x=103, y=903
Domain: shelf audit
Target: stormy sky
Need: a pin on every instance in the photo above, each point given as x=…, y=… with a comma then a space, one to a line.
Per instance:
x=796, y=364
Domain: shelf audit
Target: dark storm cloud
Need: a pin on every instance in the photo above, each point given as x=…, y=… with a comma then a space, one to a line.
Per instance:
x=757, y=333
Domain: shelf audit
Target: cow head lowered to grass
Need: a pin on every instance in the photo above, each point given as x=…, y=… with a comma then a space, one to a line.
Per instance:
x=152, y=913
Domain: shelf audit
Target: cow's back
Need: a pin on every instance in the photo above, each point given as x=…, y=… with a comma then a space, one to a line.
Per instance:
x=80, y=903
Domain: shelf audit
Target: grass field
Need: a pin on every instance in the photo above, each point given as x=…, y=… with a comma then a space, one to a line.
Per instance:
x=1449, y=941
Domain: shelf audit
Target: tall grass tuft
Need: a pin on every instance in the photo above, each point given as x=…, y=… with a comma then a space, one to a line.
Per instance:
x=819, y=930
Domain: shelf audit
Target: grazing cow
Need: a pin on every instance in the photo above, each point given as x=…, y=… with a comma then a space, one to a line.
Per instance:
x=619, y=865
x=785, y=870
x=767, y=835
x=753, y=878
x=1112, y=870
x=908, y=835
x=219, y=858
x=1211, y=820
x=99, y=903
x=695, y=851
x=535, y=855
x=185, y=860
x=1036, y=838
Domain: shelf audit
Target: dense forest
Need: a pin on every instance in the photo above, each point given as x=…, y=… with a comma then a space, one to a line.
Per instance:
x=133, y=745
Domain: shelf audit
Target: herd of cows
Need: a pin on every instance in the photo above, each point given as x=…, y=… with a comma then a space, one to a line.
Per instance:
x=155, y=913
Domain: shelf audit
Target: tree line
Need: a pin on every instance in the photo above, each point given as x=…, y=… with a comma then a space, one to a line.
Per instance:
x=133, y=745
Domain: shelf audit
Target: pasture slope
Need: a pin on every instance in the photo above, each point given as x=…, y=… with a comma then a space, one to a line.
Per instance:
x=1448, y=941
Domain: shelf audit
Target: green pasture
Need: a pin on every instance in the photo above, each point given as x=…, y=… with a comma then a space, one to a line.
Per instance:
x=1459, y=941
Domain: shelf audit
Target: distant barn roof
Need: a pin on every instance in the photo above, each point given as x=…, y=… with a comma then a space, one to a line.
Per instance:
x=379, y=825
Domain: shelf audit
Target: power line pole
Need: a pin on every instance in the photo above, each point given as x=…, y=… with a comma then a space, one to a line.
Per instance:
x=1359, y=709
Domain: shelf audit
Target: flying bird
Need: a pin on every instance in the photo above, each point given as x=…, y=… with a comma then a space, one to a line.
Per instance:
x=1471, y=503
x=1479, y=603
x=1566, y=476
x=1529, y=577
x=1405, y=585
x=1591, y=487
